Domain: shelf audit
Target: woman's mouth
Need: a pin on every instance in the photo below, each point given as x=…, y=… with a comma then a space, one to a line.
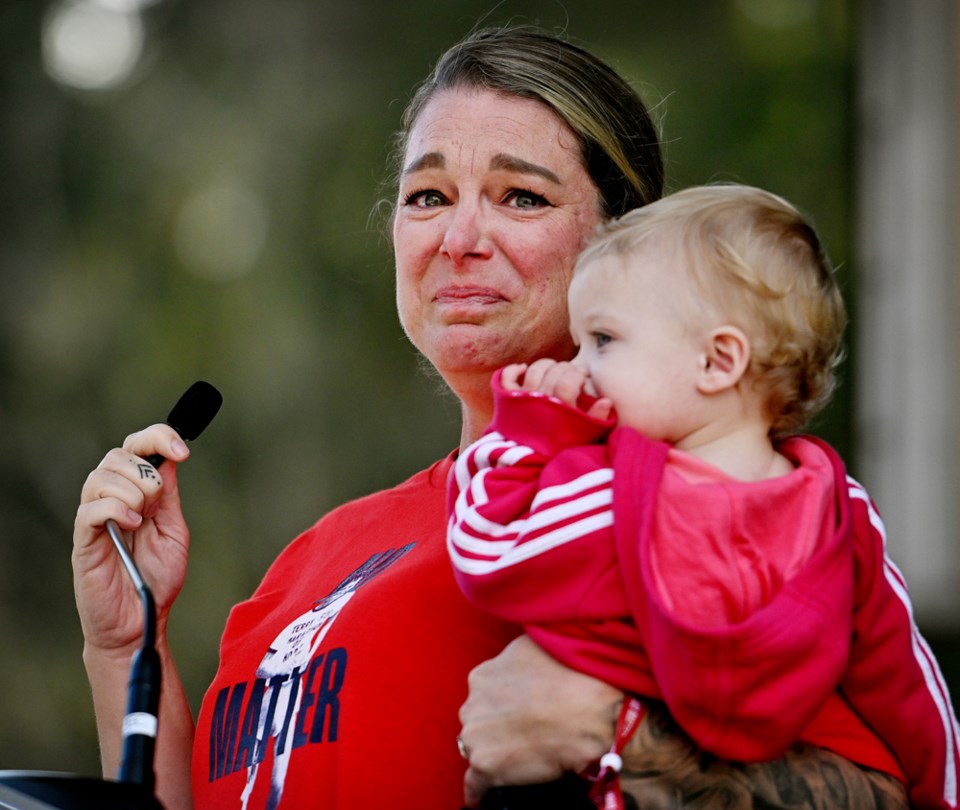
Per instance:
x=466, y=305
x=468, y=295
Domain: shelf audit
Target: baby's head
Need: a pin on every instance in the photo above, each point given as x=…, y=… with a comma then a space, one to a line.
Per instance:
x=739, y=256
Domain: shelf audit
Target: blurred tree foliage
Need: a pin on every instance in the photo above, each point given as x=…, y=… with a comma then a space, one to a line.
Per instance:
x=211, y=218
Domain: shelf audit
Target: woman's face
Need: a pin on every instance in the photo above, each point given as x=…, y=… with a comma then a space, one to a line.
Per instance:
x=495, y=203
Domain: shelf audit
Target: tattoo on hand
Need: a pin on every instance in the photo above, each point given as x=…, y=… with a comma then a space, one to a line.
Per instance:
x=147, y=471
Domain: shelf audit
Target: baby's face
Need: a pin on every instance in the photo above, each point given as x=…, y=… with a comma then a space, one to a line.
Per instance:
x=633, y=321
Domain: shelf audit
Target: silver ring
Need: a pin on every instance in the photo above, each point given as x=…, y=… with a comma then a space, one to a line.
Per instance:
x=462, y=748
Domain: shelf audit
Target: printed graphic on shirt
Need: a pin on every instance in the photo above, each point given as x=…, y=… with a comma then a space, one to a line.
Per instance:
x=294, y=699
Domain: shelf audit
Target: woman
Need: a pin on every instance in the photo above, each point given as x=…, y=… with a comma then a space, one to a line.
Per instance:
x=341, y=677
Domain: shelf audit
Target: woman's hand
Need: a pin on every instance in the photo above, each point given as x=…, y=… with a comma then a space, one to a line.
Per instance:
x=529, y=719
x=144, y=502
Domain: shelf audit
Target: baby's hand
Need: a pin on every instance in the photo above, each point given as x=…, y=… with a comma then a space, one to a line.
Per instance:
x=512, y=376
x=561, y=380
x=600, y=408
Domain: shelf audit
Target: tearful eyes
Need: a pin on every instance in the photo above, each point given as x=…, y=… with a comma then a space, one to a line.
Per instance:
x=428, y=198
x=526, y=199
x=516, y=198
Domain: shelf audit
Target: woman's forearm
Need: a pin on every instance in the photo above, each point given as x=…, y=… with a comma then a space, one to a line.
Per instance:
x=108, y=673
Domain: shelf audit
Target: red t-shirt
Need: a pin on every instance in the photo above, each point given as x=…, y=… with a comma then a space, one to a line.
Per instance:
x=341, y=678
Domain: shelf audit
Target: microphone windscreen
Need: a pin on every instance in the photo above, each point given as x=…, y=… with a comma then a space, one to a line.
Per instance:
x=195, y=410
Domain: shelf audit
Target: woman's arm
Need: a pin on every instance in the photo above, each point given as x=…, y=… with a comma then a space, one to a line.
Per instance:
x=108, y=673
x=145, y=504
x=529, y=719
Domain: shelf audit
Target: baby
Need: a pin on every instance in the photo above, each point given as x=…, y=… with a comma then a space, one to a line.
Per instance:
x=649, y=514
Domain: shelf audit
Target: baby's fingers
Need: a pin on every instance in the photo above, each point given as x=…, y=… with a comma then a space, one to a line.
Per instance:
x=511, y=375
x=537, y=372
x=601, y=409
x=565, y=382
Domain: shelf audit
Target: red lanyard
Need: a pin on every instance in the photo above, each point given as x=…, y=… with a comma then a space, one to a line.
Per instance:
x=605, y=775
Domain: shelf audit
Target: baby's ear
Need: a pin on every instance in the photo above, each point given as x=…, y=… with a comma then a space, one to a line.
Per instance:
x=725, y=359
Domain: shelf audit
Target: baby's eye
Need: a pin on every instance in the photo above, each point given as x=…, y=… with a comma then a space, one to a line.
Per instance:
x=601, y=339
x=426, y=198
x=521, y=198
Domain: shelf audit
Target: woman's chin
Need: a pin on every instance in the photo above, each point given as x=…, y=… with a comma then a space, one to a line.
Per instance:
x=466, y=349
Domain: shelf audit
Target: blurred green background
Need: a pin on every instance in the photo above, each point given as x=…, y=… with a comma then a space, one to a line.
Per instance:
x=204, y=206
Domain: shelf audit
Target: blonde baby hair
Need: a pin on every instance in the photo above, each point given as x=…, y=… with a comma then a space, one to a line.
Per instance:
x=755, y=261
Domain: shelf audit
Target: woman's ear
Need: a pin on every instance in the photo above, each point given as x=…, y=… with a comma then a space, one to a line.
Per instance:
x=725, y=360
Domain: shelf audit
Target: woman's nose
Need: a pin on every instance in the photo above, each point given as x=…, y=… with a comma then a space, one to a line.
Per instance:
x=465, y=235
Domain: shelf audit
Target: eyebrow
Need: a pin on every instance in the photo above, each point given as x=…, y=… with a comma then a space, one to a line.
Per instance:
x=500, y=162
x=430, y=160
x=515, y=164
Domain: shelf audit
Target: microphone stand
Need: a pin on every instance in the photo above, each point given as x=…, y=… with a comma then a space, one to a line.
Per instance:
x=133, y=790
x=143, y=691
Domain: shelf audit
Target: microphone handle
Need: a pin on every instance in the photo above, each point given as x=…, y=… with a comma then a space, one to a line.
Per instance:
x=143, y=691
x=140, y=722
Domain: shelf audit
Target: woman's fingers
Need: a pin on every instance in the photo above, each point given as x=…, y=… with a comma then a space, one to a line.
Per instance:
x=97, y=513
x=125, y=474
x=528, y=719
x=123, y=487
x=122, y=475
x=161, y=439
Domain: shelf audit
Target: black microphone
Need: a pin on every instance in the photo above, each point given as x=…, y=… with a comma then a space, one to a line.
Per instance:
x=192, y=413
x=134, y=788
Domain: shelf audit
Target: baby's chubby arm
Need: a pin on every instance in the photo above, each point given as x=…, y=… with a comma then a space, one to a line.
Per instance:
x=561, y=380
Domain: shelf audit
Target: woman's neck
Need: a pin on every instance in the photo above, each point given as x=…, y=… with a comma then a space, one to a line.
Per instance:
x=476, y=405
x=473, y=426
